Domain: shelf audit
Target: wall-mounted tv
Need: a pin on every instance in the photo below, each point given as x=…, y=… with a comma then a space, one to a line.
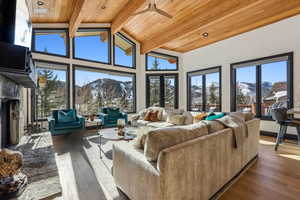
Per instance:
x=15, y=22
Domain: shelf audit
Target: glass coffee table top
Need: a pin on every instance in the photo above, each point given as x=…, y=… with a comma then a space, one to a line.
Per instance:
x=112, y=134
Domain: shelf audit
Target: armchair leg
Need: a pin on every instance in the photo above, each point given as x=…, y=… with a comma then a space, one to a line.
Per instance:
x=278, y=137
x=283, y=134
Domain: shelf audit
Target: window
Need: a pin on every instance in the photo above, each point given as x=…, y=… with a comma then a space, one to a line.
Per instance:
x=262, y=84
x=204, y=90
x=161, y=62
x=51, y=41
x=92, y=45
x=96, y=88
x=162, y=90
x=52, y=92
x=124, y=51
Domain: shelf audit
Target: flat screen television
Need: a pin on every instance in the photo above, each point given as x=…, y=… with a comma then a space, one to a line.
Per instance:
x=15, y=22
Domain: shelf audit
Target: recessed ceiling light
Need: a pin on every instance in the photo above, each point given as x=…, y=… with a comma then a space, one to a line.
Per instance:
x=40, y=3
x=205, y=34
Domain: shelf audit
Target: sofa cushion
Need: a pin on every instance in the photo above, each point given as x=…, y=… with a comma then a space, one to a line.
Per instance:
x=141, y=122
x=160, y=139
x=68, y=125
x=66, y=116
x=213, y=126
x=160, y=124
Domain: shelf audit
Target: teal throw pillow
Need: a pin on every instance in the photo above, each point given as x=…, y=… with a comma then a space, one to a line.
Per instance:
x=66, y=116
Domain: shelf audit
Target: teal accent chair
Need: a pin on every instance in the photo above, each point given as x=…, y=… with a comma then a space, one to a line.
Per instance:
x=65, y=122
x=110, y=116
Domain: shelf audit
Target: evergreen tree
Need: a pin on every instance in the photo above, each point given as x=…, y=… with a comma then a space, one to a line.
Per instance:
x=155, y=85
x=213, y=98
x=240, y=97
x=47, y=102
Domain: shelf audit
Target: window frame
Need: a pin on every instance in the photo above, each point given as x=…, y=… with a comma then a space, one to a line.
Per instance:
x=290, y=82
x=188, y=81
x=133, y=51
x=99, y=70
x=33, y=95
x=34, y=30
x=162, y=79
x=109, y=45
x=162, y=54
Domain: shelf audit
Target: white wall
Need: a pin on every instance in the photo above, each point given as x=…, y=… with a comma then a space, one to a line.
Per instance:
x=281, y=37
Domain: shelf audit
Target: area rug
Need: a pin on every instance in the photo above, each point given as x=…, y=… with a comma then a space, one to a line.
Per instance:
x=40, y=166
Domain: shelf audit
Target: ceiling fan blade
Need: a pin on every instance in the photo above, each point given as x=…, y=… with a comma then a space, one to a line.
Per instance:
x=161, y=12
x=141, y=12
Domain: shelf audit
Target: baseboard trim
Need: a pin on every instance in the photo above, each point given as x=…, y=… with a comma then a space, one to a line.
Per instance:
x=223, y=189
x=273, y=134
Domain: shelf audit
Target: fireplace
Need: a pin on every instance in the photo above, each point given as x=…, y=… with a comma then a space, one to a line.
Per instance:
x=9, y=117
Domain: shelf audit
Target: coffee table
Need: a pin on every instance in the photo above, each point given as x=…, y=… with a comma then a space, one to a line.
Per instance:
x=112, y=134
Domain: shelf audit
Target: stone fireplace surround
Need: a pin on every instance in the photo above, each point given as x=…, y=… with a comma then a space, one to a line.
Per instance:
x=12, y=115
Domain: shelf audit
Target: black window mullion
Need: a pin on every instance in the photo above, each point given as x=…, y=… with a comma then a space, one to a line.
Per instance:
x=162, y=91
x=176, y=92
x=290, y=84
x=258, y=91
x=147, y=91
x=233, y=89
x=204, y=93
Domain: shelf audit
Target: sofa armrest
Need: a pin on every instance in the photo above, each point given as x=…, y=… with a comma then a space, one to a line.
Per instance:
x=103, y=117
x=133, y=174
x=81, y=119
x=51, y=123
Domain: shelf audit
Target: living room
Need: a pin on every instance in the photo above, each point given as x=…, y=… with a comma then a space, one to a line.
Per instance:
x=117, y=99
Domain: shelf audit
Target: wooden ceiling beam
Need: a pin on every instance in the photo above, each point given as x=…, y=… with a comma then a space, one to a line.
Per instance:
x=218, y=10
x=76, y=16
x=124, y=16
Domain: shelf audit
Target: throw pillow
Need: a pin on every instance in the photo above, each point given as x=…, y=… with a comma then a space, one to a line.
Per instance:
x=177, y=119
x=188, y=117
x=139, y=141
x=143, y=113
x=154, y=116
x=199, y=117
x=66, y=116
x=213, y=117
x=147, y=116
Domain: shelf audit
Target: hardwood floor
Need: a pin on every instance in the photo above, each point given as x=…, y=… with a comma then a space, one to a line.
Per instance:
x=275, y=175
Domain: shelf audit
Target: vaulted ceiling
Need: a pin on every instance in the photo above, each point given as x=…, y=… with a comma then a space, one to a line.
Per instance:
x=220, y=19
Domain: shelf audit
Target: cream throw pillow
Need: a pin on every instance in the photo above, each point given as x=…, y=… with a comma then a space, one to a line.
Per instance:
x=176, y=119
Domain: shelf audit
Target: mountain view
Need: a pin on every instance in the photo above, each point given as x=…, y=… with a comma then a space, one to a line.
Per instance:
x=90, y=97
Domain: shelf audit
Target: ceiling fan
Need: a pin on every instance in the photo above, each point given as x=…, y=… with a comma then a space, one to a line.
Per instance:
x=152, y=8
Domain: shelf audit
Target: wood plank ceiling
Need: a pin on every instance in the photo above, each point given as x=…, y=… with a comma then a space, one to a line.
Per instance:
x=221, y=19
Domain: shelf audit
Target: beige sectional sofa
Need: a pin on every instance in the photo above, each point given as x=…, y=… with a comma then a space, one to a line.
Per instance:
x=138, y=119
x=190, y=162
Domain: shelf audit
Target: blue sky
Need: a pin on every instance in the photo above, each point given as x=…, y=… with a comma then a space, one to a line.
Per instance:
x=273, y=72
x=54, y=43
